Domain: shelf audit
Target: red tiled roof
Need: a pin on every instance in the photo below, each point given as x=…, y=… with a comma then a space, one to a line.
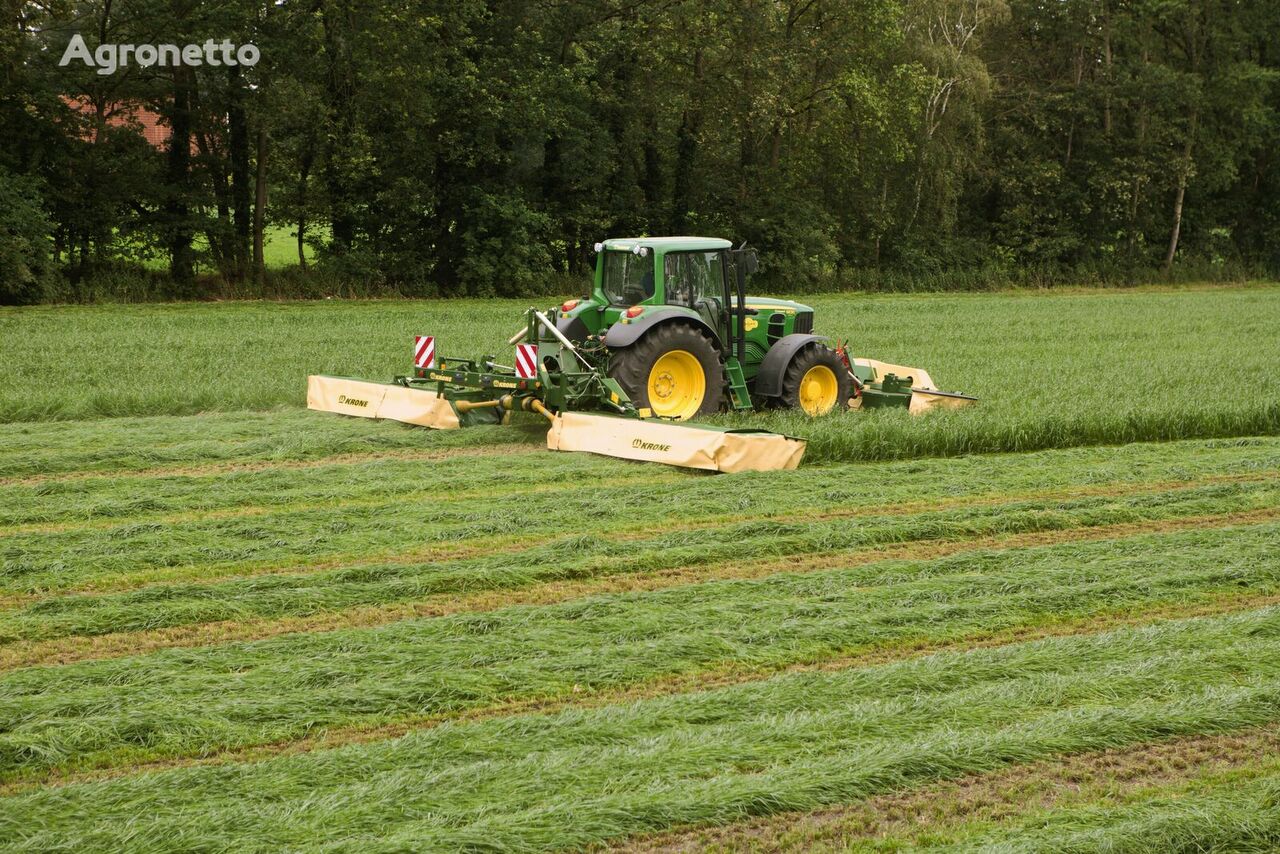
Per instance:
x=122, y=114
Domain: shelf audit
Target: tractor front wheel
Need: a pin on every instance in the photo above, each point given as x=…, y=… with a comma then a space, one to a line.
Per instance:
x=816, y=381
x=673, y=370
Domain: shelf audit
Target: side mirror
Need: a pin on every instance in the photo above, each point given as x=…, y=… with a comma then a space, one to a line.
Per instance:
x=750, y=262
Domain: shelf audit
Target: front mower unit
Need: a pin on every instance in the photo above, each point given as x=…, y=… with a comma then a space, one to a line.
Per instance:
x=564, y=383
x=883, y=384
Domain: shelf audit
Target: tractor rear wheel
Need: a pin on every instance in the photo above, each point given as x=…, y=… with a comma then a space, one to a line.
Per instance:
x=816, y=381
x=673, y=370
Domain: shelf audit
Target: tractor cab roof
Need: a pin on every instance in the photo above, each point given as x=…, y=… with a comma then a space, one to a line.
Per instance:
x=668, y=244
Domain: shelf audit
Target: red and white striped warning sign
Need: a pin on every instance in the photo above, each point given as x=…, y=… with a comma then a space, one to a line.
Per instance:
x=424, y=351
x=526, y=361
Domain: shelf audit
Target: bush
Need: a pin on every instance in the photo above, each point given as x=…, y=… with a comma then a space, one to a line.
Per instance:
x=26, y=270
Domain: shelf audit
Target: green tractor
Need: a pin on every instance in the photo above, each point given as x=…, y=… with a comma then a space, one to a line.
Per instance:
x=666, y=334
x=683, y=339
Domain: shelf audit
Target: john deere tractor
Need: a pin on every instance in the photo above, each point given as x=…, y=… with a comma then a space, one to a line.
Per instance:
x=682, y=339
x=666, y=333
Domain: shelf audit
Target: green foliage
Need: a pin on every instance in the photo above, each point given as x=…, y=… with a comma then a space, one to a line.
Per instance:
x=25, y=263
x=481, y=149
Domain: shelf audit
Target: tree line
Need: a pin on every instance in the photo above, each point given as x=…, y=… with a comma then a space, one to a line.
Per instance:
x=482, y=148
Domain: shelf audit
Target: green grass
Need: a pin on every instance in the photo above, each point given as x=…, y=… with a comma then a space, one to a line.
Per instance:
x=113, y=451
x=1052, y=371
x=160, y=529
x=792, y=742
x=561, y=558
x=192, y=564
x=279, y=249
x=127, y=445
x=1197, y=793
x=188, y=702
x=1230, y=814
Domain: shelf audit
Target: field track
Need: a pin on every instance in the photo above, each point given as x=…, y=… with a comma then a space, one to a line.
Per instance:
x=281, y=629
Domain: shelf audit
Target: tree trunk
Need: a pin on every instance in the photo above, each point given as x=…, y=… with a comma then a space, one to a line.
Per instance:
x=686, y=154
x=219, y=234
x=177, y=210
x=238, y=127
x=260, y=208
x=1141, y=122
x=340, y=86
x=304, y=171
x=1183, y=174
x=1106, y=68
x=1071, y=131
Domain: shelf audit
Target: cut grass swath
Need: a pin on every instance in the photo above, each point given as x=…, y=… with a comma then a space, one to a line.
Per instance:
x=192, y=701
x=998, y=807
x=1236, y=815
x=575, y=557
x=793, y=742
x=73, y=648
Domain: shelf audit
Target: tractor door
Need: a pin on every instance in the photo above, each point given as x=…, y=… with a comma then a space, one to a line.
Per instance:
x=739, y=264
x=695, y=279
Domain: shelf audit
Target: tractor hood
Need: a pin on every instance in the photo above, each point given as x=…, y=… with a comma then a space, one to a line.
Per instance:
x=766, y=304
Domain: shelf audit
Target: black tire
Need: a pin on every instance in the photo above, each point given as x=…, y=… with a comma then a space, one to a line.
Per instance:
x=816, y=355
x=631, y=366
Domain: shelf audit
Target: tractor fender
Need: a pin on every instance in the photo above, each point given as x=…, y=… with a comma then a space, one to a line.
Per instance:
x=775, y=363
x=572, y=328
x=626, y=334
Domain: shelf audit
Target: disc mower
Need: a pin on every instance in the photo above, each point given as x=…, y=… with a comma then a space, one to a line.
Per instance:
x=666, y=335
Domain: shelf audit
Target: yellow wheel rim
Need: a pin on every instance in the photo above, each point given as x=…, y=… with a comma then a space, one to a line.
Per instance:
x=818, y=390
x=677, y=385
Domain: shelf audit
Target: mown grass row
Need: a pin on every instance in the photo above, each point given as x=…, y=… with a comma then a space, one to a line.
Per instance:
x=67, y=649
x=45, y=453
x=102, y=501
x=191, y=701
x=1052, y=371
x=1108, y=800
x=585, y=556
x=271, y=478
x=1229, y=815
x=589, y=533
x=378, y=510
x=793, y=742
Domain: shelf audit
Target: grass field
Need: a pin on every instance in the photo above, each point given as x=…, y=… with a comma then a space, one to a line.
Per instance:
x=279, y=250
x=230, y=623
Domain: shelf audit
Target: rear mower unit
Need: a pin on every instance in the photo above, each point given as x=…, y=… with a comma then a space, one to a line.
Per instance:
x=665, y=335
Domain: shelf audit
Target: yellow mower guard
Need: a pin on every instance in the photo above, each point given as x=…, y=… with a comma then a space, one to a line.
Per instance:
x=380, y=400
x=686, y=445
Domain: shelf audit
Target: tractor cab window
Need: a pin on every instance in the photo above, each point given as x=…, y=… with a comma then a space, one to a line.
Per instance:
x=628, y=278
x=690, y=277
